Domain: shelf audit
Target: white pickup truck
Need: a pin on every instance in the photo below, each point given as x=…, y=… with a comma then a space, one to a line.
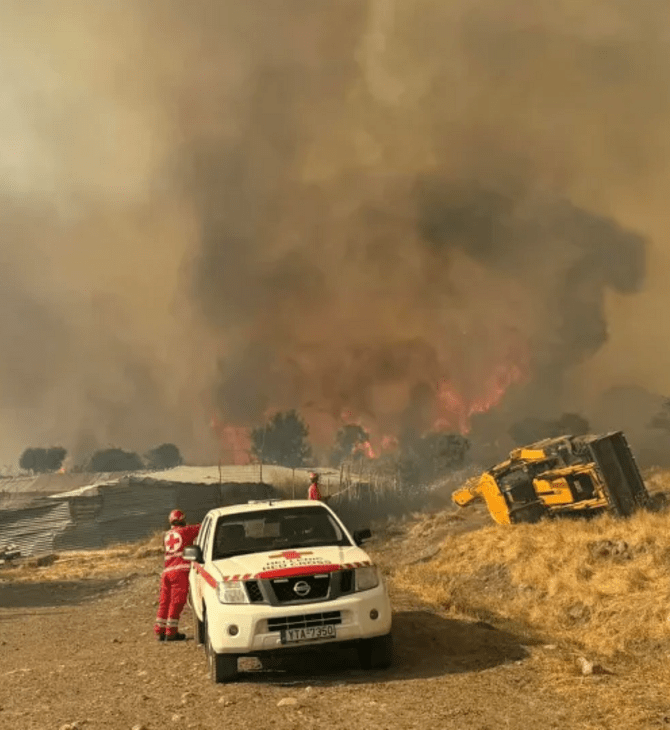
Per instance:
x=281, y=576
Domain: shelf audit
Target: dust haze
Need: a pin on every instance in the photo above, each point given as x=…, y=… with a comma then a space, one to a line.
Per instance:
x=219, y=209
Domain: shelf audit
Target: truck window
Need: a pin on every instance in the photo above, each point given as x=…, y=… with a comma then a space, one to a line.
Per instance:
x=201, y=540
x=276, y=529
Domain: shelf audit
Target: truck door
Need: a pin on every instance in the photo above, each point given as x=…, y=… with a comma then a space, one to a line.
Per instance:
x=195, y=579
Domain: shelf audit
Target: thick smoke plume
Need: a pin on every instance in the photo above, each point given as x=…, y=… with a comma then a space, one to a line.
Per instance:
x=403, y=213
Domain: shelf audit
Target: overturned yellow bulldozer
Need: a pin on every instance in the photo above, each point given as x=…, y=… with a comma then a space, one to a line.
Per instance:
x=568, y=475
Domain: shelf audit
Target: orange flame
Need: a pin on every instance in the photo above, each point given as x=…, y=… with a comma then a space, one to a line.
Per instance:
x=455, y=405
x=457, y=410
x=389, y=443
x=366, y=449
x=235, y=442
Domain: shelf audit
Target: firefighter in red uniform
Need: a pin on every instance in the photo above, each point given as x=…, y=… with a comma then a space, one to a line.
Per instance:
x=174, y=580
x=313, y=492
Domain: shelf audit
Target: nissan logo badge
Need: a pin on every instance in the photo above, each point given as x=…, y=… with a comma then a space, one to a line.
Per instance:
x=301, y=588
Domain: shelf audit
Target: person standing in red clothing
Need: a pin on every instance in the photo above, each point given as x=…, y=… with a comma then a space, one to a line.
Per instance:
x=174, y=580
x=313, y=492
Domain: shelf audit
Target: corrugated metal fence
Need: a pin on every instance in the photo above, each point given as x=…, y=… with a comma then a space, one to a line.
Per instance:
x=114, y=513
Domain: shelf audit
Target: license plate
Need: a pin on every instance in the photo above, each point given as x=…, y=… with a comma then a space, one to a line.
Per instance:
x=311, y=633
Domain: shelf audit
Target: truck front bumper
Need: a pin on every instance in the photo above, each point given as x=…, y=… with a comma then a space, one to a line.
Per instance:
x=252, y=629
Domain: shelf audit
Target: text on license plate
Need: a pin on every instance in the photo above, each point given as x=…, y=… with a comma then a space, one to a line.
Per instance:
x=311, y=633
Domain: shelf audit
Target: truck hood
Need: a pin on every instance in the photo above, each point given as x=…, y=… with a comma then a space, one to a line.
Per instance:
x=301, y=561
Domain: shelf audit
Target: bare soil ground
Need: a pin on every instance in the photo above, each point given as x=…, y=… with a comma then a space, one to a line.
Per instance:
x=77, y=651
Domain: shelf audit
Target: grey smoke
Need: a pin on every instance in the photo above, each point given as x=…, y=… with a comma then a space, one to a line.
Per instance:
x=232, y=207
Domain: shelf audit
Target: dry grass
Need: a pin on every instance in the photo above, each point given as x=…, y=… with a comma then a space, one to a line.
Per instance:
x=112, y=562
x=551, y=579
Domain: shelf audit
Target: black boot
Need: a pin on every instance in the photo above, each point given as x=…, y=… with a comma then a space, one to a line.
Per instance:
x=160, y=637
x=175, y=637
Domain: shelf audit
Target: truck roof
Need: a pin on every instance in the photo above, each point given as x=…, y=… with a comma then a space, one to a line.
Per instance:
x=262, y=505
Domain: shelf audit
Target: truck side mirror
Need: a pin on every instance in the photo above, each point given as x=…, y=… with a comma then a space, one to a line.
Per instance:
x=360, y=536
x=193, y=553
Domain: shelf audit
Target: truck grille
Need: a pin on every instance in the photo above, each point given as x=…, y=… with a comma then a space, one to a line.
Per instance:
x=346, y=581
x=301, y=588
x=302, y=622
x=254, y=591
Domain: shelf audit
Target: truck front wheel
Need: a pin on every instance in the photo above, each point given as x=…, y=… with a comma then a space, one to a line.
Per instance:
x=376, y=653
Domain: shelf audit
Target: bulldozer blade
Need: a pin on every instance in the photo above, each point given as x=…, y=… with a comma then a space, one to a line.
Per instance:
x=620, y=474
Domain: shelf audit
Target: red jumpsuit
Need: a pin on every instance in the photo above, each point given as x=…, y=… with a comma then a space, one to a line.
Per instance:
x=174, y=580
x=313, y=492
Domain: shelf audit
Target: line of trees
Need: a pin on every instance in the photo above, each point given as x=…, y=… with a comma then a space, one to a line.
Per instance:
x=40, y=461
x=49, y=460
x=284, y=440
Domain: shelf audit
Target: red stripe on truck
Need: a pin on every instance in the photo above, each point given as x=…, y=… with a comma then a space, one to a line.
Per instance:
x=208, y=578
x=299, y=570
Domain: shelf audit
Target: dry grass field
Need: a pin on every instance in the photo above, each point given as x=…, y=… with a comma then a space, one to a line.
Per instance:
x=116, y=561
x=602, y=585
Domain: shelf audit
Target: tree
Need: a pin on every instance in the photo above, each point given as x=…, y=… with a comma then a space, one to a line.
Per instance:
x=115, y=460
x=662, y=418
x=347, y=439
x=282, y=441
x=445, y=450
x=165, y=456
x=529, y=430
x=440, y=452
x=572, y=424
x=42, y=461
x=427, y=457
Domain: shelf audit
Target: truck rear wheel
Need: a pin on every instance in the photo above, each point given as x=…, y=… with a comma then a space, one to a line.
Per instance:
x=376, y=653
x=200, y=637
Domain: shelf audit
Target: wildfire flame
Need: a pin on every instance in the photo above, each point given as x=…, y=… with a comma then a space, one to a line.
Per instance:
x=235, y=442
x=457, y=410
x=389, y=443
x=366, y=449
x=454, y=408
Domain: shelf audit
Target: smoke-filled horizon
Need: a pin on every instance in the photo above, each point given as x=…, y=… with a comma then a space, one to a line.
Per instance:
x=399, y=213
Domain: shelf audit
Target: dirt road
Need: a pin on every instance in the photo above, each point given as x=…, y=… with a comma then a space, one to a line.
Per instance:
x=82, y=655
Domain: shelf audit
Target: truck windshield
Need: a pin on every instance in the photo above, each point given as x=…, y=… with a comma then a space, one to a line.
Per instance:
x=276, y=529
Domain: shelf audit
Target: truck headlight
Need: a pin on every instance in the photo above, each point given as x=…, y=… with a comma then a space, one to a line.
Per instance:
x=231, y=593
x=367, y=578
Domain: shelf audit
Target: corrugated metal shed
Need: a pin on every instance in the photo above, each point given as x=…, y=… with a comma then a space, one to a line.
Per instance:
x=132, y=509
x=248, y=474
x=34, y=529
x=28, y=517
x=20, y=492
x=85, y=511
x=103, y=509
x=54, y=483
